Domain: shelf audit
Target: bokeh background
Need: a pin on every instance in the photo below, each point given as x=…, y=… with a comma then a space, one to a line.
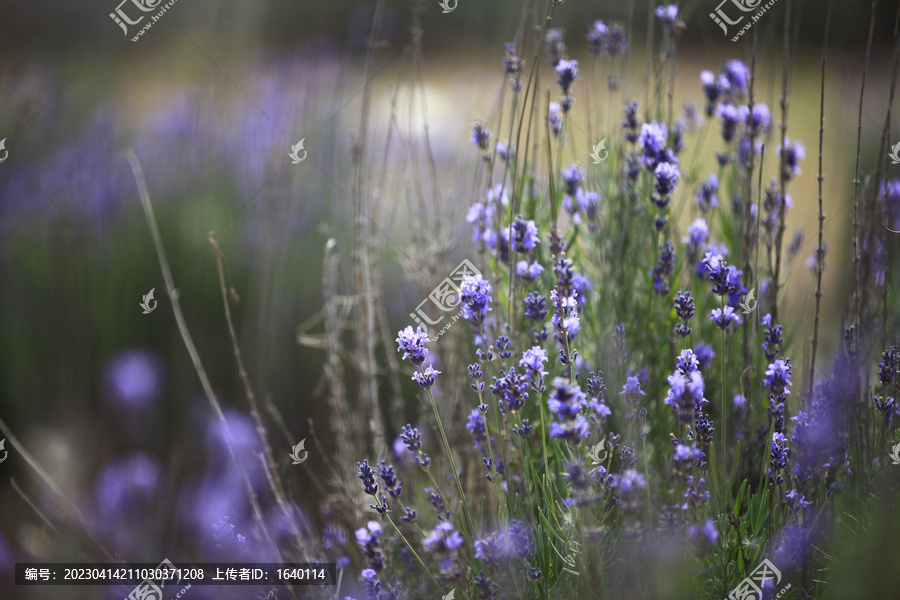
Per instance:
x=211, y=99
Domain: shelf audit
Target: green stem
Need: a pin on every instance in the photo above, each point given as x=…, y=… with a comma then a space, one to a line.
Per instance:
x=411, y=549
x=462, y=496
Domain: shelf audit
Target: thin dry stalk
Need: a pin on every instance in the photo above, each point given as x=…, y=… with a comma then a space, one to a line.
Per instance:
x=269, y=462
x=856, y=180
x=366, y=338
x=820, y=251
x=189, y=342
x=73, y=512
x=786, y=64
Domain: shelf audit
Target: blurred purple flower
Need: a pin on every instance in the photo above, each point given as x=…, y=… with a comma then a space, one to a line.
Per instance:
x=133, y=378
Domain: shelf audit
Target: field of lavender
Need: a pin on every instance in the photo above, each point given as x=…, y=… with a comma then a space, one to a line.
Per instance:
x=600, y=309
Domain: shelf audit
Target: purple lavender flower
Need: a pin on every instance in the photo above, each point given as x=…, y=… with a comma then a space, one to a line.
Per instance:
x=596, y=37
x=535, y=307
x=512, y=64
x=685, y=394
x=757, y=119
x=725, y=317
x=123, y=489
x=412, y=438
x=616, y=43
x=712, y=89
x=573, y=176
x=502, y=149
x=528, y=272
x=632, y=391
x=705, y=534
x=889, y=365
x=778, y=377
x=707, y=199
x=631, y=124
x=687, y=362
x=698, y=235
x=511, y=388
x=663, y=269
x=367, y=476
x=748, y=158
x=568, y=73
x=779, y=456
x=696, y=496
x=391, y=483
x=684, y=308
x=133, y=378
x=554, y=117
x=667, y=15
x=475, y=299
x=793, y=153
x=703, y=429
x=445, y=540
x=368, y=539
x=652, y=141
x=667, y=175
x=685, y=457
x=533, y=360
x=475, y=426
x=737, y=75
x=425, y=377
x=481, y=136
x=412, y=344
x=627, y=487
x=705, y=354
x=566, y=402
x=730, y=116
x=525, y=235
x=555, y=44
x=773, y=339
